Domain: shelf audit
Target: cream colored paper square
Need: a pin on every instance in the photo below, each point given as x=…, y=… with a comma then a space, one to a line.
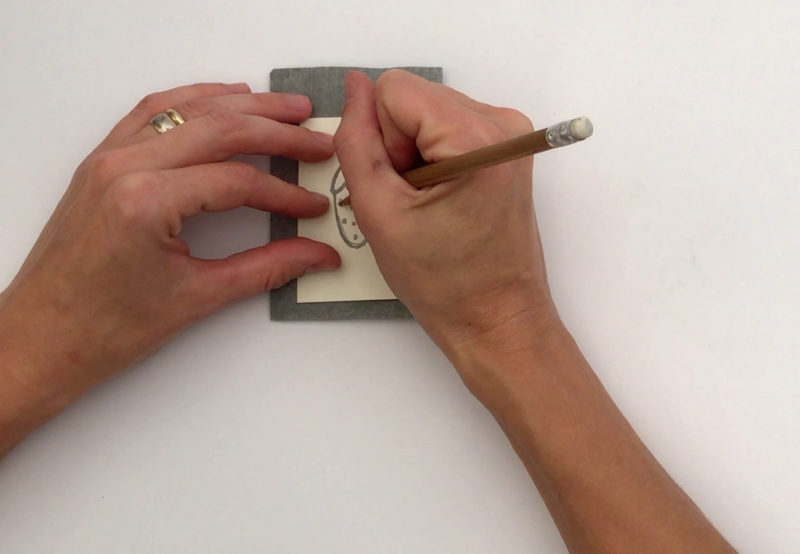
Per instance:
x=359, y=277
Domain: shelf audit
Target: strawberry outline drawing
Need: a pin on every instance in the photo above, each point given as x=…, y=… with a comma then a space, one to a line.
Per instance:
x=345, y=220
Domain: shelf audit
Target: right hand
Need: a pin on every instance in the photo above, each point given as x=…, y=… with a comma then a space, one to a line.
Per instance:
x=463, y=256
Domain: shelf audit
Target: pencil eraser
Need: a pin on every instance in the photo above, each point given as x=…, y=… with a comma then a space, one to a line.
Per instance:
x=581, y=128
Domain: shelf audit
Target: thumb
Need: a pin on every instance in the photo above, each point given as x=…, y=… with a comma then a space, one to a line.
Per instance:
x=263, y=268
x=366, y=165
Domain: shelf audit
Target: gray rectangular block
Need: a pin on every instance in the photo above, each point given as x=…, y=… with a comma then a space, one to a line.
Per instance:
x=325, y=87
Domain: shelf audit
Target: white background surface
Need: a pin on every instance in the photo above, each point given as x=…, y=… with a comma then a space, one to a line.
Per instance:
x=671, y=239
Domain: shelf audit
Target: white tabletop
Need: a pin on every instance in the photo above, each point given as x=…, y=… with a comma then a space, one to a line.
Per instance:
x=671, y=239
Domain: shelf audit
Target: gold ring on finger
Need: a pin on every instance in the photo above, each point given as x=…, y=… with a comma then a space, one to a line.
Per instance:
x=175, y=116
x=162, y=123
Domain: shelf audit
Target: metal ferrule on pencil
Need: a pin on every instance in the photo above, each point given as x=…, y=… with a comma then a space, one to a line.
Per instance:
x=568, y=132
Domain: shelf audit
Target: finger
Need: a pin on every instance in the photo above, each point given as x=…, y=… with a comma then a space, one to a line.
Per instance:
x=264, y=268
x=402, y=149
x=400, y=141
x=286, y=108
x=365, y=163
x=227, y=185
x=437, y=121
x=402, y=78
x=157, y=102
x=399, y=138
x=219, y=135
x=216, y=137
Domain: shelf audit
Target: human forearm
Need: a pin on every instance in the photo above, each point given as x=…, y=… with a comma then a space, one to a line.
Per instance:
x=28, y=397
x=604, y=489
x=465, y=258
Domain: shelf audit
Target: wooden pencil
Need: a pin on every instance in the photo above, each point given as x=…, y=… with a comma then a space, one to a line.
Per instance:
x=560, y=134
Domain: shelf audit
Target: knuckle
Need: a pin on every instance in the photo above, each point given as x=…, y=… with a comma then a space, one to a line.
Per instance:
x=275, y=278
x=194, y=108
x=202, y=87
x=150, y=104
x=475, y=133
x=391, y=77
x=386, y=78
x=84, y=170
x=241, y=284
x=222, y=122
x=236, y=283
x=340, y=138
x=243, y=177
x=104, y=167
x=145, y=182
x=344, y=137
x=389, y=81
x=513, y=120
x=242, y=172
x=134, y=197
x=491, y=134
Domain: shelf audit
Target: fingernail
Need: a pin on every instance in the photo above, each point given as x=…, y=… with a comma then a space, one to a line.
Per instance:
x=320, y=199
x=350, y=85
x=298, y=102
x=324, y=139
x=239, y=87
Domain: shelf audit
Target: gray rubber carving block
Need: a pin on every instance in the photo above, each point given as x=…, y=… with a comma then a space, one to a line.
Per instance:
x=325, y=87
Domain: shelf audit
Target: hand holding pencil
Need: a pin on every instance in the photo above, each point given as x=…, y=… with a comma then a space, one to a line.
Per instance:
x=466, y=250
x=465, y=257
x=560, y=134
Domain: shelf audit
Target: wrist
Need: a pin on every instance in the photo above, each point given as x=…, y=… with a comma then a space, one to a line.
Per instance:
x=505, y=348
x=30, y=392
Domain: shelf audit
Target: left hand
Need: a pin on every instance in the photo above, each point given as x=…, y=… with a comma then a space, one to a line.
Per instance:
x=109, y=280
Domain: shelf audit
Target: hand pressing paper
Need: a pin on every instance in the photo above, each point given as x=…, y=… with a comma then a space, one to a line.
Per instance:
x=359, y=277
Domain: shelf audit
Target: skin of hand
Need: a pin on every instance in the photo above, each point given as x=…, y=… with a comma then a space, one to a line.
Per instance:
x=465, y=257
x=109, y=281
